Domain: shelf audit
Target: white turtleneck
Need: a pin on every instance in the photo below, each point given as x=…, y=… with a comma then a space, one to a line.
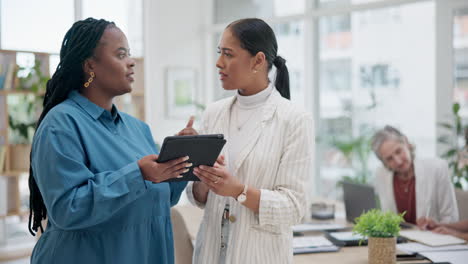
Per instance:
x=246, y=113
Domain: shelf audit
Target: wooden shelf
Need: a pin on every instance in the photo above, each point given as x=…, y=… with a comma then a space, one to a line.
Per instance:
x=15, y=212
x=28, y=51
x=17, y=251
x=15, y=173
x=17, y=92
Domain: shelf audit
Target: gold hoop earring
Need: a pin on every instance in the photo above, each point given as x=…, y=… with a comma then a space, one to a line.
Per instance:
x=90, y=80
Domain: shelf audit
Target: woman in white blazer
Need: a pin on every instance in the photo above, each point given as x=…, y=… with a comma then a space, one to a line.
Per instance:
x=422, y=188
x=256, y=192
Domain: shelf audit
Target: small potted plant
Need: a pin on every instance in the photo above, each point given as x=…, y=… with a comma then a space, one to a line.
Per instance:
x=381, y=229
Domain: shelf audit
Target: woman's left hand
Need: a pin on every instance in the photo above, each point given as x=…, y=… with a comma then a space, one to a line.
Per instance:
x=448, y=231
x=219, y=180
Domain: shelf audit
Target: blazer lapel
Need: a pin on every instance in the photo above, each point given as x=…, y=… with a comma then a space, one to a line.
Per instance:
x=221, y=124
x=267, y=113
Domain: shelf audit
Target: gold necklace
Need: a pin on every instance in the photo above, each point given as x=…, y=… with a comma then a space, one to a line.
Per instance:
x=240, y=126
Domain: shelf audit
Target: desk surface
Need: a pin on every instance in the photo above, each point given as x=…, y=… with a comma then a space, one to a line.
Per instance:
x=346, y=255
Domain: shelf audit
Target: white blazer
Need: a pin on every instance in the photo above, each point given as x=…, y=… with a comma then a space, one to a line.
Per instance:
x=277, y=160
x=435, y=195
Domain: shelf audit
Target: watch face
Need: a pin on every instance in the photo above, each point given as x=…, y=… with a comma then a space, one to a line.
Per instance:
x=241, y=198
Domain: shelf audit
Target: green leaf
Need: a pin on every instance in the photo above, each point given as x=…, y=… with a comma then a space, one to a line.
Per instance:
x=446, y=125
x=449, y=153
x=376, y=223
x=455, y=108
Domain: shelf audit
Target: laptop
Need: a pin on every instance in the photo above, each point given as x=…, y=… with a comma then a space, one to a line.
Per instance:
x=358, y=198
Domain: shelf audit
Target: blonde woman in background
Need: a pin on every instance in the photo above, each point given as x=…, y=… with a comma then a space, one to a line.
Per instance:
x=422, y=187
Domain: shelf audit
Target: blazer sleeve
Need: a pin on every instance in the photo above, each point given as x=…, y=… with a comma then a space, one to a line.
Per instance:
x=285, y=204
x=447, y=203
x=74, y=196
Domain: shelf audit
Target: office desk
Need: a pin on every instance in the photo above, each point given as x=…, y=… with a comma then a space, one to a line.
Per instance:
x=346, y=255
x=185, y=231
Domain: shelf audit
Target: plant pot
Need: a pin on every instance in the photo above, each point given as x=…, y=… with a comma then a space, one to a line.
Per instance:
x=382, y=250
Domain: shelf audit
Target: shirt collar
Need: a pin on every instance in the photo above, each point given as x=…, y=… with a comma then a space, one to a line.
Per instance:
x=93, y=109
x=255, y=100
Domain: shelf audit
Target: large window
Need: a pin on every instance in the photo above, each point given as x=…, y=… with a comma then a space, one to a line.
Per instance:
x=290, y=37
x=359, y=65
x=43, y=24
x=374, y=68
x=126, y=14
x=460, y=47
x=39, y=27
x=226, y=11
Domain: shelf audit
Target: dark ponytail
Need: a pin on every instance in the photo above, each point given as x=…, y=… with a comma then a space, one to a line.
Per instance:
x=257, y=36
x=282, y=77
x=77, y=46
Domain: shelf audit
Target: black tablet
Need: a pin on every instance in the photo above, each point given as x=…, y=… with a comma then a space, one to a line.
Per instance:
x=201, y=149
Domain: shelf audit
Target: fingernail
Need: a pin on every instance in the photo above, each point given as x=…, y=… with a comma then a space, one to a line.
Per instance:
x=186, y=170
x=186, y=158
x=202, y=167
x=188, y=165
x=180, y=176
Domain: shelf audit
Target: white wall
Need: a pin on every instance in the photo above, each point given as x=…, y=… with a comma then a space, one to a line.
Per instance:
x=173, y=37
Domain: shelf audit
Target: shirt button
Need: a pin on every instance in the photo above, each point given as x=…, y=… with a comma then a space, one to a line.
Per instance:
x=223, y=246
x=232, y=218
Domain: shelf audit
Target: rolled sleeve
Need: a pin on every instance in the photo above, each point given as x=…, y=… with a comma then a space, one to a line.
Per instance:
x=191, y=198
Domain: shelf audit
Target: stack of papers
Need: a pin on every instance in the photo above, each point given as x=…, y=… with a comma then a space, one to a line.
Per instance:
x=307, y=227
x=454, y=254
x=430, y=238
x=346, y=236
x=414, y=247
x=453, y=257
x=312, y=244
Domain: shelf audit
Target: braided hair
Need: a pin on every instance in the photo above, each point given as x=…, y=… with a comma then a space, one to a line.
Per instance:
x=78, y=45
x=256, y=35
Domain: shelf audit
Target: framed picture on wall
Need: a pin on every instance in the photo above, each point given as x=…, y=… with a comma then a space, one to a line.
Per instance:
x=180, y=91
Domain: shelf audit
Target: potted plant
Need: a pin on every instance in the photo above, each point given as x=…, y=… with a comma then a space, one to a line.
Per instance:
x=381, y=229
x=456, y=152
x=24, y=110
x=356, y=151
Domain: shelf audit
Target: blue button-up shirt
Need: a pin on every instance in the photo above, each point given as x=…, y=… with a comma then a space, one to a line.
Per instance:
x=99, y=207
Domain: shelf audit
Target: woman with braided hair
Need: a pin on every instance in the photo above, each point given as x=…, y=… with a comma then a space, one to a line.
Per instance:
x=252, y=197
x=93, y=167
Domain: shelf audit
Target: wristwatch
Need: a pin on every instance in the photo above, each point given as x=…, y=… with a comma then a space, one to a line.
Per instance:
x=243, y=196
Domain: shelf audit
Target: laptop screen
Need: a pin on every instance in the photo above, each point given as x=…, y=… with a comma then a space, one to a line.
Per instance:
x=358, y=198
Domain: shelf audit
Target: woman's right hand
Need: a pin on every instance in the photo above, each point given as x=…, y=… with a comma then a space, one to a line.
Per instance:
x=158, y=172
x=188, y=130
x=200, y=189
x=425, y=223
